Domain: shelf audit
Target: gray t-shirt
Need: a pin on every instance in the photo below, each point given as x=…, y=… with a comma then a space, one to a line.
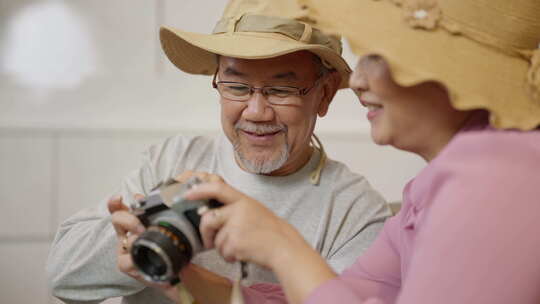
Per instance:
x=340, y=218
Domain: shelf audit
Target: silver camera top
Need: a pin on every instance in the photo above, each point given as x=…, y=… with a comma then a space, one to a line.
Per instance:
x=169, y=193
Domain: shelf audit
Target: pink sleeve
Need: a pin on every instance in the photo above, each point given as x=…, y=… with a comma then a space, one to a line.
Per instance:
x=480, y=242
x=375, y=274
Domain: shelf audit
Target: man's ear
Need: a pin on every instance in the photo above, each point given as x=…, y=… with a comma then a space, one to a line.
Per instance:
x=330, y=85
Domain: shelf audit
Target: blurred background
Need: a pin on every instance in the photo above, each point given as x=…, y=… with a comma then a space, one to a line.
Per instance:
x=85, y=88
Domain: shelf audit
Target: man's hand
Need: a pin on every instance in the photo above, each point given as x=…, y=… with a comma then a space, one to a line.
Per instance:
x=197, y=279
x=128, y=228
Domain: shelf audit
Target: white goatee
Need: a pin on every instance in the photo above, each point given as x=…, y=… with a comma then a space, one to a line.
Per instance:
x=260, y=165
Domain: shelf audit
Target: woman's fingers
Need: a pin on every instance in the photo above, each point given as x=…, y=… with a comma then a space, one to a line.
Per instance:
x=204, y=176
x=182, y=178
x=220, y=241
x=215, y=190
x=225, y=246
x=211, y=222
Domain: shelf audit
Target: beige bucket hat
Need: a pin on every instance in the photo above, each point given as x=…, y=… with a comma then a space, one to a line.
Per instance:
x=253, y=29
x=487, y=52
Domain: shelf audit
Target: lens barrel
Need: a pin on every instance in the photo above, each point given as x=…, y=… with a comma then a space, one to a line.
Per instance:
x=160, y=252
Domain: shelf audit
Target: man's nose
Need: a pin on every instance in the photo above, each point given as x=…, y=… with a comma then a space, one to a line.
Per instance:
x=258, y=108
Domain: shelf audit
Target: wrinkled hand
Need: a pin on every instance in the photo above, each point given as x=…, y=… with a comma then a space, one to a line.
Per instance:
x=128, y=228
x=243, y=229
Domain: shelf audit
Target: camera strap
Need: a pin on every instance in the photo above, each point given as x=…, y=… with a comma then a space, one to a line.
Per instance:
x=315, y=177
x=237, y=297
x=185, y=296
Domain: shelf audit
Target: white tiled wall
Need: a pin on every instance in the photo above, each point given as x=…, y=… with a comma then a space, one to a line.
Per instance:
x=25, y=182
x=92, y=165
x=22, y=266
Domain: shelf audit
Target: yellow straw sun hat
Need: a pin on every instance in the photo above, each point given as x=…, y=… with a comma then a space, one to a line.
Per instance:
x=253, y=29
x=487, y=52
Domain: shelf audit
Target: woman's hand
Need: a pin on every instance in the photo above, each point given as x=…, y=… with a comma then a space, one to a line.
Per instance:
x=203, y=176
x=244, y=229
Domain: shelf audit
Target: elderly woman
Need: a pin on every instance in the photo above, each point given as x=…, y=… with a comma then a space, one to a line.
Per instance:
x=458, y=83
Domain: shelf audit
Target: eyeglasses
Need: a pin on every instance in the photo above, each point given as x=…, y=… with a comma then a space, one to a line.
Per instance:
x=275, y=95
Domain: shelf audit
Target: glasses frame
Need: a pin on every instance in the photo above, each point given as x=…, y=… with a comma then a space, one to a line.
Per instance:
x=252, y=89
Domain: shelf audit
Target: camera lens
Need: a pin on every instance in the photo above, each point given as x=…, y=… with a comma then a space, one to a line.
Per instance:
x=160, y=252
x=151, y=263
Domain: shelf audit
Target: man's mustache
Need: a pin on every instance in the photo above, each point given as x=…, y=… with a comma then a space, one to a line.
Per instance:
x=259, y=128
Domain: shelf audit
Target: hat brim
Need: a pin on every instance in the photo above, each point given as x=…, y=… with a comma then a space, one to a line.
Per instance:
x=477, y=76
x=196, y=53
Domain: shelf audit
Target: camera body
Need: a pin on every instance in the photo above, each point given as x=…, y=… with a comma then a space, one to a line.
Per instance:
x=172, y=234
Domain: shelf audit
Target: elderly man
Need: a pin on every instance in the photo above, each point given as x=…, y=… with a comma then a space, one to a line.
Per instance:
x=275, y=74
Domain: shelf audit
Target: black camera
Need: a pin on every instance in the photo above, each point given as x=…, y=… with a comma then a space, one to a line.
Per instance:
x=172, y=234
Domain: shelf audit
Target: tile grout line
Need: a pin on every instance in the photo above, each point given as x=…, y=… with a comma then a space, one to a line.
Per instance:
x=54, y=184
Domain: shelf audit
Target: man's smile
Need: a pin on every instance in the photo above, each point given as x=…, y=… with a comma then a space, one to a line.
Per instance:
x=266, y=138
